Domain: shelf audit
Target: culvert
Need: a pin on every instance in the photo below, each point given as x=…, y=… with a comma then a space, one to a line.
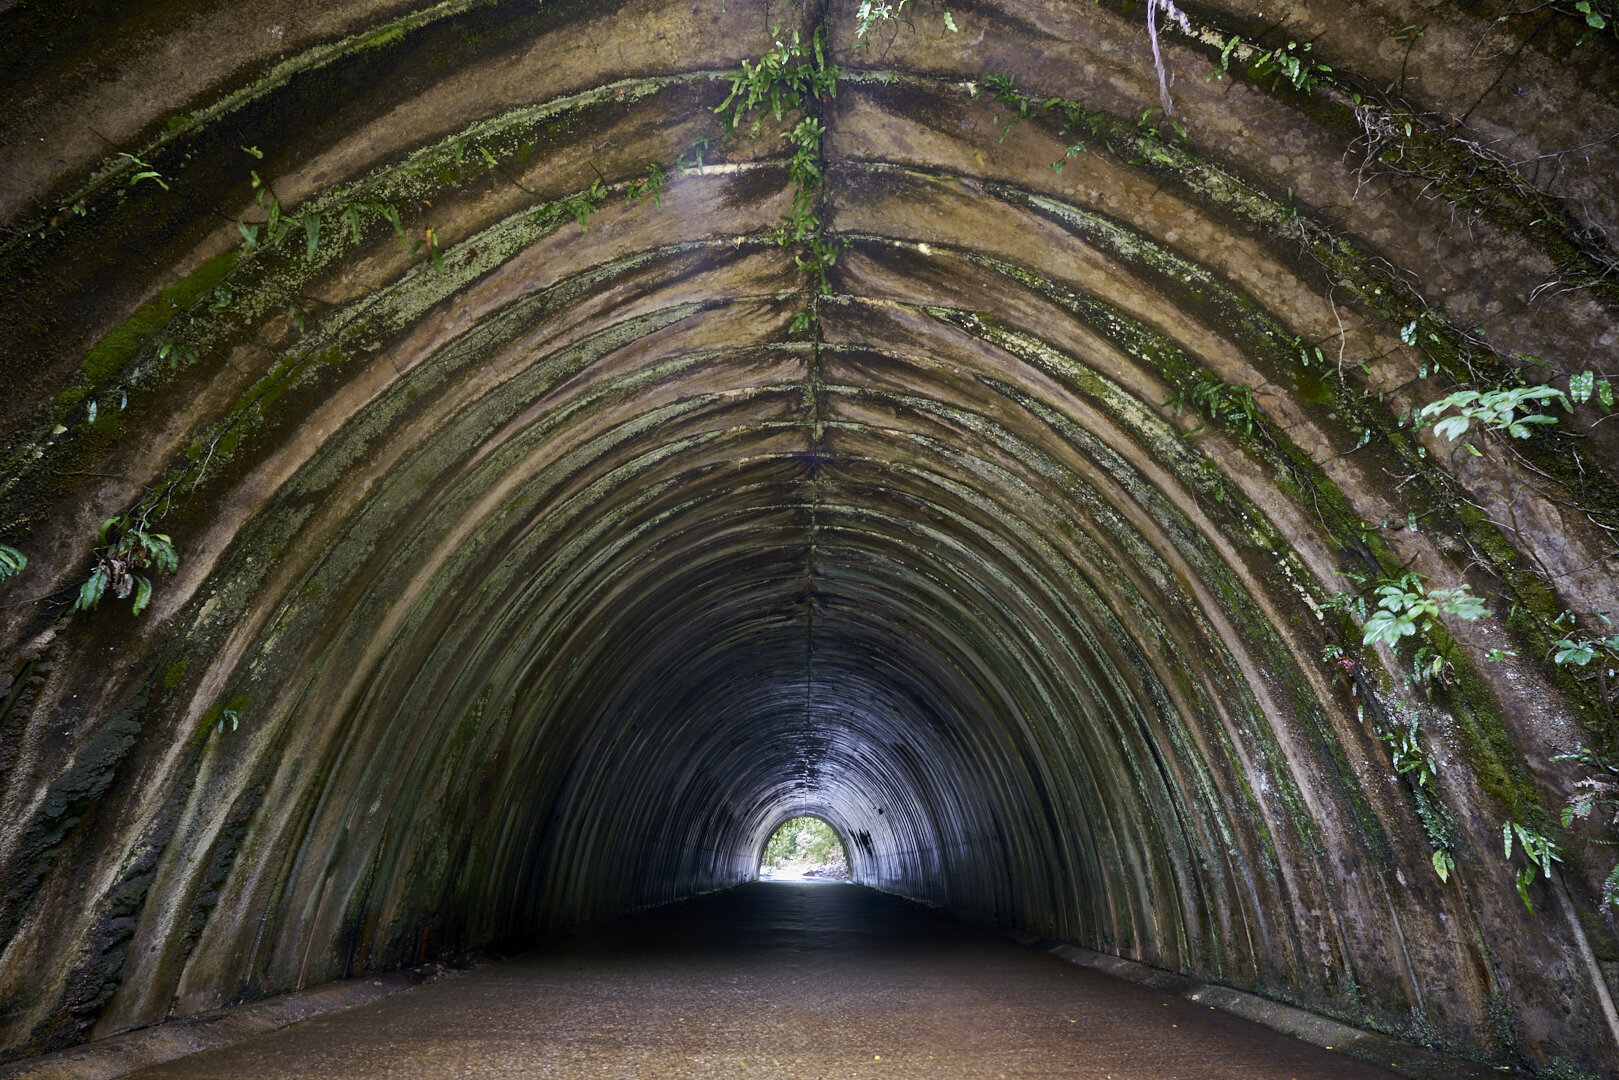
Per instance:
x=565, y=486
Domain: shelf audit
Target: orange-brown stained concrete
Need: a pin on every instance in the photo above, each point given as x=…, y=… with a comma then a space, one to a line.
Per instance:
x=779, y=980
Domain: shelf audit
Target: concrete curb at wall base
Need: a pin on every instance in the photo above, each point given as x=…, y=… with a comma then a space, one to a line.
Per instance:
x=120, y=1055
x=1396, y=1055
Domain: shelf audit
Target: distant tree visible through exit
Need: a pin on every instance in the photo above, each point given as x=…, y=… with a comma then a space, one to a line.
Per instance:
x=807, y=846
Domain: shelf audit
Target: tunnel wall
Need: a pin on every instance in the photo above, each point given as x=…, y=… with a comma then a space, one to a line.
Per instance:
x=554, y=517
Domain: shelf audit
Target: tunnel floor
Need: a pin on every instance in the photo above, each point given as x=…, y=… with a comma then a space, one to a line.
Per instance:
x=779, y=980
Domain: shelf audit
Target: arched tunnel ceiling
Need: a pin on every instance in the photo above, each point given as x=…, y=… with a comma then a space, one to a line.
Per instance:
x=567, y=488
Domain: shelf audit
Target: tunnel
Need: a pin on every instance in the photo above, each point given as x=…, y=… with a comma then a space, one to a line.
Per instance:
x=1139, y=472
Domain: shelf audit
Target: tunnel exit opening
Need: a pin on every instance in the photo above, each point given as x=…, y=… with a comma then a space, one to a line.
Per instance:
x=804, y=849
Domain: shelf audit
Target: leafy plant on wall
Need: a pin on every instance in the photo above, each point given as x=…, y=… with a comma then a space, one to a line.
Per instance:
x=122, y=551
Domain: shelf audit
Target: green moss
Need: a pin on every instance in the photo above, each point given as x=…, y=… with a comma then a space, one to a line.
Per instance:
x=1488, y=746
x=1603, y=944
x=273, y=273
x=173, y=674
x=1450, y=349
x=118, y=346
x=108, y=424
x=381, y=38
x=1151, y=431
x=1313, y=388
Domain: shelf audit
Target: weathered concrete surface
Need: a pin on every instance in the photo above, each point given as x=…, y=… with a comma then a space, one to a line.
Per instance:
x=538, y=581
x=121, y=1055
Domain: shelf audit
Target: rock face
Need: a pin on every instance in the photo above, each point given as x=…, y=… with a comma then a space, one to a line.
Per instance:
x=568, y=486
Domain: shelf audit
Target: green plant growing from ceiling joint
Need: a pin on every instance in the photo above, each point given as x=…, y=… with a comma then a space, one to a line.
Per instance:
x=793, y=77
x=587, y=202
x=872, y=12
x=1391, y=610
x=1512, y=410
x=1401, y=734
x=785, y=79
x=1596, y=797
x=1539, y=852
x=1597, y=16
x=1591, y=655
x=1218, y=401
x=647, y=187
x=144, y=172
x=123, y=548
x=1405, y=607
x=1290, y=64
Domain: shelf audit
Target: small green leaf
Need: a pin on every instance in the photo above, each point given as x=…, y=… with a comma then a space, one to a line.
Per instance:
x=91, y=591
x=1461, y=603
x=143, y=593
x=391, y=213
x=12, y=561
x=1577, y=653
x=950, y=22
x=1452, y=427
x=1387, y=628
x=1580, y=386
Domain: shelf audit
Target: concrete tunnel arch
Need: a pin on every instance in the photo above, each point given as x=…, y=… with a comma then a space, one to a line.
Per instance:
x=546, y=531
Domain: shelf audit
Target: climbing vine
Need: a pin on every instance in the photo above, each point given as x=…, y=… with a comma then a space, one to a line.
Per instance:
x=794, y=78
